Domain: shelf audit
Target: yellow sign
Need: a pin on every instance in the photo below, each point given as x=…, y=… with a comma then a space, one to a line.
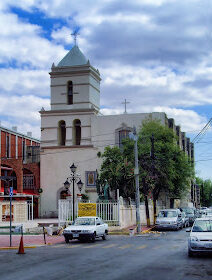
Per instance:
x=86, y=209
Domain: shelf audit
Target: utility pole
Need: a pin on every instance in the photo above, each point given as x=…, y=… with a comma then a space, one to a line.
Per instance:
x=202, y=193
x=136, y=173
x=153, y=171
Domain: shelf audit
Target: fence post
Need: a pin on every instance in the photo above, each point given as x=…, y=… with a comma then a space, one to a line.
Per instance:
x=59, y=213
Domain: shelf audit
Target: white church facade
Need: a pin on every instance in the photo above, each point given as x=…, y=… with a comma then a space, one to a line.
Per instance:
x=74, y=131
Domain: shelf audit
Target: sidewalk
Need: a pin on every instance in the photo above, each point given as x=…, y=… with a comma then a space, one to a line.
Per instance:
x=33, y=241
x=126, y=231
x=29, y=240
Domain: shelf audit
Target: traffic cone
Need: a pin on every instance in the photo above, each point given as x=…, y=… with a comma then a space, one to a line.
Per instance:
x=21, y=246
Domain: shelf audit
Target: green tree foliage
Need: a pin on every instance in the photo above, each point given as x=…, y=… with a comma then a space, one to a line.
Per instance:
x=117, y=171
x=205, y=191
x=167, y=167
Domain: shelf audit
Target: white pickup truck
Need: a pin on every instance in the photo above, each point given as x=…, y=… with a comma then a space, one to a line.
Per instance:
x=86, y=228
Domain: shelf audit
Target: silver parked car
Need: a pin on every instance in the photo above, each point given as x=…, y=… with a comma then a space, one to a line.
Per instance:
x=185, y=219
x=200, y=239
x=169, y=219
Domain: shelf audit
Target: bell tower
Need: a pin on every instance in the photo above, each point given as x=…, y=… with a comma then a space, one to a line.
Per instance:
x=75, y=84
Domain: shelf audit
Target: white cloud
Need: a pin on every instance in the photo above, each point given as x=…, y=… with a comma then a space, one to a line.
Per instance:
x=63, y=35
x=145, y=51
x=188, y=120
x=22, y=42
x=24, y=82
x=23, y=112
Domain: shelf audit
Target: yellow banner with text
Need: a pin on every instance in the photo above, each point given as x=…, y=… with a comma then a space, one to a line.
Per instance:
x=86, y=209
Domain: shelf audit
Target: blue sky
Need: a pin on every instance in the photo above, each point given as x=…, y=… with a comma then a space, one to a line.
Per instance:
x=145, y=52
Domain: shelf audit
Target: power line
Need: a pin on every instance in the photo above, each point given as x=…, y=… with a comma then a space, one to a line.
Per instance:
x=201, y=134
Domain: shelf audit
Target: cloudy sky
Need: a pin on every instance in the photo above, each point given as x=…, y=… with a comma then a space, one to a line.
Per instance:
x=155, y=53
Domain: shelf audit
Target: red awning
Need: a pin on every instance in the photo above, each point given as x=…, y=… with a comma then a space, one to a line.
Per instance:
x=31, y=192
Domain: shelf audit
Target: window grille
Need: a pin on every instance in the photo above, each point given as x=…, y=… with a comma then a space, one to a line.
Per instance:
x=28, y=182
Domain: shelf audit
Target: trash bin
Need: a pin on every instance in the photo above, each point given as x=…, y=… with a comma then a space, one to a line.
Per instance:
x=131, y=231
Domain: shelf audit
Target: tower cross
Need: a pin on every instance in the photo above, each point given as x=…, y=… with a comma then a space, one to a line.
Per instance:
x=75, y=34
x=125, y=105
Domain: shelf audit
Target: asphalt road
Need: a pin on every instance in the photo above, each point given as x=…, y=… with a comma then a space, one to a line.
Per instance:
x=151, y=257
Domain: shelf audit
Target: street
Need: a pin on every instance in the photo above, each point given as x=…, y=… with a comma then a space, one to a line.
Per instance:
x=154, y=257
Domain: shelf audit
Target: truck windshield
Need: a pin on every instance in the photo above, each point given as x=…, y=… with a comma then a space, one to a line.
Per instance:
x=167, y=214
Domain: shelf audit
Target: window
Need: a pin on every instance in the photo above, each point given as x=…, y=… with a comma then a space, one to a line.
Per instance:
x=23, y=149
x=167, y=214
x=123, y=134
x=8, y=146
x=28, y=182
x=61, y=133
x=70, y=93
x=76, y=132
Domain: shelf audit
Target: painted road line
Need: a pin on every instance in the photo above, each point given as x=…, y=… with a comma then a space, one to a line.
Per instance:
x=59, y=246
x=141, y=247
x=109, y=246
x=156, y=247
x=91, y=246
x=72, y=246
x=125, y=246
x=175, y=247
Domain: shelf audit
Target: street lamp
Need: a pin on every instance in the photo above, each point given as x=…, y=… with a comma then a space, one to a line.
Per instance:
x=72, y=179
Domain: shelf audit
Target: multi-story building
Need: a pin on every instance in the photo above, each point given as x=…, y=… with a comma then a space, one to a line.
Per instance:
x=19, y=159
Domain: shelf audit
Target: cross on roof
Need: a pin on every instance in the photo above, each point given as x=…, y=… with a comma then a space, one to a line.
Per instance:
x=125, y=105
x=75, y=34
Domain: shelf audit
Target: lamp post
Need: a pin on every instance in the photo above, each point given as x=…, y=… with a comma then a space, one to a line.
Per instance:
x=72, y=179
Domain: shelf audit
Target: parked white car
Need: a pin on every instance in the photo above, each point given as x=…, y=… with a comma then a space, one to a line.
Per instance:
x=200, y=239
x=86, y=228
x=169, y=219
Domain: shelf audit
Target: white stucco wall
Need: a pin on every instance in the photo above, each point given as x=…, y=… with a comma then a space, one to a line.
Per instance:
x=55, y=168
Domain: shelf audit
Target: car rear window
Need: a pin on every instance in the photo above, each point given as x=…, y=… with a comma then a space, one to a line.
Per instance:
x=167, y=214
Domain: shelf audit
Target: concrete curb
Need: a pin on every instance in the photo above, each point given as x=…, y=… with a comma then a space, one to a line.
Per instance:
x=118, y=233
x=17, y=247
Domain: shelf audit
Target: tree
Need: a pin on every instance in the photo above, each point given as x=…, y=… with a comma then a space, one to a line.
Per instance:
x=205, y=191
x=117, y=171
x=168, y=168
x=162, y=164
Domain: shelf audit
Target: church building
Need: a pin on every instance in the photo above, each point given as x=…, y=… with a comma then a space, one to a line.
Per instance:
x=74, y=131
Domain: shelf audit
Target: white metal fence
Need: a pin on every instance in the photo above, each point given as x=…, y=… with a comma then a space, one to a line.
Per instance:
x=108, y=211
x=29, y=210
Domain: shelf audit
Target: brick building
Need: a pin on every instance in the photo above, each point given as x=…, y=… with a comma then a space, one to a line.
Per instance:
x=20, y=158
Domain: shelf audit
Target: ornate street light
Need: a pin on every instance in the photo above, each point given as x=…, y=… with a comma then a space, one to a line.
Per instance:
x=72, y=179
x=67, y=184
x=73, y=168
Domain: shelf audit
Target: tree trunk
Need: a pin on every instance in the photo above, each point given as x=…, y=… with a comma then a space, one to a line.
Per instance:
x=147, y=210
x=154, y=210
x=171, y=203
